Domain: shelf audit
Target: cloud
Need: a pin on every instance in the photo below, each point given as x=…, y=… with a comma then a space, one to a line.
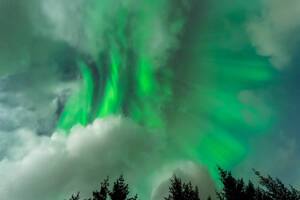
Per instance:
x=31, y=101
x=15, y=35
x=33, y=74
x=275, y=31
x=60, y=27
x=187, y=171
x=255, y=103
x=42, y=167
x=143, y=26
x=42, y=41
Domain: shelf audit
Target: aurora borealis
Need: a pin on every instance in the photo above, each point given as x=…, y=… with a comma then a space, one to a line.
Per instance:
x=126, y=80
x=95, y=88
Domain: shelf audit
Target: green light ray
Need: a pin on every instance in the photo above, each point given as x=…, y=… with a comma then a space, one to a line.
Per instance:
x=78, y=108
x=111, y=103
x=194, y=97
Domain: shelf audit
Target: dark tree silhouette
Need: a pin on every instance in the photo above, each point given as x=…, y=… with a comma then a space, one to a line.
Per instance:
x=103, y=192
x=269, y=189
x=182, y=191
x=233, y=189
x=275, y=189
x=120, y=190
x=176, y=189
x=75, y=196
x=250, y=191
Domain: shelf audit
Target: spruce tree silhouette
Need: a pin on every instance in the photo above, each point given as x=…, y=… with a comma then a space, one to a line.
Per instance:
x=189, y=192
x=103, y=192
x=176, y=190
x=250, y=191
x=182, y=191
x=275, y=189
x=232, y=189
x=269, y=189
x=120, y=190
x=75, y=197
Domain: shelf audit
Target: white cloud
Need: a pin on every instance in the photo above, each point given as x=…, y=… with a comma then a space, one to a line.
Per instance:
x=186, y=171
x=42, y=40
x=275, y=32
x=53, y=167
x=88, y=25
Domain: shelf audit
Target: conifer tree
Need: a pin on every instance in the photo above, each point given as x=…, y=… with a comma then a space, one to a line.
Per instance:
x=182, y=191
x=75, y=196
x=275, y=189
x=103, y=192
x=120, y=190
x=269, y=189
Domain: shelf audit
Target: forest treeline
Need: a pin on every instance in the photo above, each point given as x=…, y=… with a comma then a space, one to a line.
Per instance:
x=268, y=188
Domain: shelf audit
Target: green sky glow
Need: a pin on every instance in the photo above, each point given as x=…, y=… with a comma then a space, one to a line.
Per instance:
x=79, y=105
x=207, y=110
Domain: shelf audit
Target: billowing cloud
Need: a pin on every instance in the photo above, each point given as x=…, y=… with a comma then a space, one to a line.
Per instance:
x=275, y=31
x=187, y=171
x=33, y=74
x=40, y=42
x=34, y=107
x=42, y=167
x=93, y=22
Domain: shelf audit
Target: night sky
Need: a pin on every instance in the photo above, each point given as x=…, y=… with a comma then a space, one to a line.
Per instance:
x=90, y=89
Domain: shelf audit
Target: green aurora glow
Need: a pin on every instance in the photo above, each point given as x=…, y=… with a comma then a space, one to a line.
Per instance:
x=193, y=95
